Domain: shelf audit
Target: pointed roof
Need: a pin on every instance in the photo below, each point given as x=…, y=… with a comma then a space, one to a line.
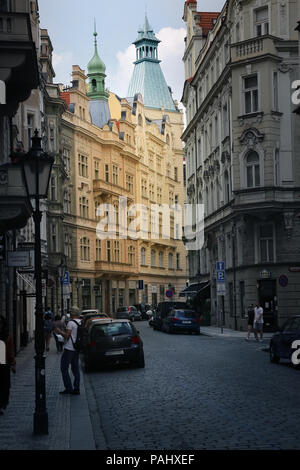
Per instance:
x=147, y=78
x=146, y=32
x=95, y=65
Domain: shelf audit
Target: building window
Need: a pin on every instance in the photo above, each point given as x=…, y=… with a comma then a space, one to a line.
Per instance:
x=261, y=21
x=226, y=187
x=161, y=259
x=144, y=187
x=84, y=249
x=250, y=91
x=252, y=170
x=116, y=251
x=153, y=258
x=266, y=243
x=96, y=169
x=83, y=166
x=67, y=201
x=68, y=246
x=84, y=207
x=176, y=173
x=108, y=251
x=131, y=255
x=115, y=174
x=143, y=256
x=129, y=183
x=170, y=260
x=140, y=120
x=30, y=128
x=151, y=192
x=106, y=173
x=67, y=161
x=98, y=250
x=53, y=238
x=275, y=91
x=53, y=194
x=177, y=260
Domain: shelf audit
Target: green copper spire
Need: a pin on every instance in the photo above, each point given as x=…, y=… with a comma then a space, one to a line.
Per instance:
x=99, y=108
x=96, y=74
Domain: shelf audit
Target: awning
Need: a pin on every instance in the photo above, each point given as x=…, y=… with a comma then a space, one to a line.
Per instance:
x=194, y=288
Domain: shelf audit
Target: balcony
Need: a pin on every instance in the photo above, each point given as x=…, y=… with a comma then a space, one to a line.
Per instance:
x=18, y=60
x=111, y=268
x=105, y=189
x=253, y=48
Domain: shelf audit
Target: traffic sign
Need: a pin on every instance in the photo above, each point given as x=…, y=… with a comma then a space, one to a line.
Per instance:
x=169, y=293
x=283, y=280
x=220, y=278
x=66, y=279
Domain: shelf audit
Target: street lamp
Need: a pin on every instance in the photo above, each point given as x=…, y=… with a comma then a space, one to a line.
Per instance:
x=62, y=272
x=37, y=167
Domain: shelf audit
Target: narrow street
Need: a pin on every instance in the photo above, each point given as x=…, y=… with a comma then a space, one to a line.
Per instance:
x=196, y=392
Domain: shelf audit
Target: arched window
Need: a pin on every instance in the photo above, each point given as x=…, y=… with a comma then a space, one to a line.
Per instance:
x=143, y=256
x=94, y=85
x=152, y=257
x=170, y=260
x=226, y=187
x=252, y=170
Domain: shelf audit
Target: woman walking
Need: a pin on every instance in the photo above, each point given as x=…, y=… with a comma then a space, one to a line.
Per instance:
x=8, y=365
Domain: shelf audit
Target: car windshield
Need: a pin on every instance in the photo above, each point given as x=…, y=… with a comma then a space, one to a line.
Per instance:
x=111, y=329
x=184, y=313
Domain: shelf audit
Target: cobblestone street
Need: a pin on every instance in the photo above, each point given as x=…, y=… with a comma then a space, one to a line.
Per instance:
x=196, y=392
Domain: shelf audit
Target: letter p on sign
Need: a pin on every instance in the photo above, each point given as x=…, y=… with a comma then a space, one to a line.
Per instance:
x=2, y=353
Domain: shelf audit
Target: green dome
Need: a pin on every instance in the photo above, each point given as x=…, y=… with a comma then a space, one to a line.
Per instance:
x=96, y=65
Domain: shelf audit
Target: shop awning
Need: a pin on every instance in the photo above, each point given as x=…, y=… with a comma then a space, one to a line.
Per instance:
x=194, y=288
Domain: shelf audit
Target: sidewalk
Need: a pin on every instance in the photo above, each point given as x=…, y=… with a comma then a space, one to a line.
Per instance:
x=216, y=331
x=69, y=422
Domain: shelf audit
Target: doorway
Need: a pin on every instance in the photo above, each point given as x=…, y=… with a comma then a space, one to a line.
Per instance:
x=267, y=296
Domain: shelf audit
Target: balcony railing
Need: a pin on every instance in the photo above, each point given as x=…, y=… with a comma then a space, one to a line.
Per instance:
x=253, y=47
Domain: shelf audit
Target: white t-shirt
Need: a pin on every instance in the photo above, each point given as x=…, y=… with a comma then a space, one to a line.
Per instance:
x=71, y=325
x=258, y=315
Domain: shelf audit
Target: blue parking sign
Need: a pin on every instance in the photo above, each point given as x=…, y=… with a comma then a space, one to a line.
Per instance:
x=220, y=267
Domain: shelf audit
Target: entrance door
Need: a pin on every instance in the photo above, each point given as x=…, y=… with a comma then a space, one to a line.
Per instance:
x=267, y=295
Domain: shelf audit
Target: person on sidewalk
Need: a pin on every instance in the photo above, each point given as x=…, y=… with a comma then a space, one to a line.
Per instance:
x=258, y=321
x=10, y=364
x=250, y=316
x=70, y=357
x=59, y=339
x=48, y=319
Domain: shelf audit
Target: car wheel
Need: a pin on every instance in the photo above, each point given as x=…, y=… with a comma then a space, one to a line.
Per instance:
x=141, y=361
x=273, y=356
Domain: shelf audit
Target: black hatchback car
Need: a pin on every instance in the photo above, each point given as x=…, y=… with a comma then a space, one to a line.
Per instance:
x=282, y=341
x=112, y=341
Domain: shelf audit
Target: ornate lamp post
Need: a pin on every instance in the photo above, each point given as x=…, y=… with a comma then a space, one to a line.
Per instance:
x=37, y=167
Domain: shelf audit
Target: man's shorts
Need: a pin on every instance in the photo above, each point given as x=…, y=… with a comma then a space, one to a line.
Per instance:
x=258, y=326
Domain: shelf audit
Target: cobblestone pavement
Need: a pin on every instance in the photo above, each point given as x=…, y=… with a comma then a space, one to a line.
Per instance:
x=196, y=392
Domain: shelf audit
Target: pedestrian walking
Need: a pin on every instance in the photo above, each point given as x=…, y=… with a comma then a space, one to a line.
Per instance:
x=250, y=316
x=59, y=339
x=8, y=365
x=258, y=321
x=48, y=319
x=70, y=357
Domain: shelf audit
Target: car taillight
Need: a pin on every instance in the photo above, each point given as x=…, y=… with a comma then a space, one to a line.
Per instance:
x=92, y=344
x=135, y=340
x=175, y=319
x=197, y=320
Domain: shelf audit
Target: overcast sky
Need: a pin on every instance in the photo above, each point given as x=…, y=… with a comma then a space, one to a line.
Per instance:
x=70, y=24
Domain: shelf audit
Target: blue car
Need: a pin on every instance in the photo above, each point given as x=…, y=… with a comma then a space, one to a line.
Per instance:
x=181, y=320
x=282, y=341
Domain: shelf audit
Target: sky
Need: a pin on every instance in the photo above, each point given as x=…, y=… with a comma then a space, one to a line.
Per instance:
x=70, y=24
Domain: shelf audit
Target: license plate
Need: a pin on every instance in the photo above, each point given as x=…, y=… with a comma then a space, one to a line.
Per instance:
x=185, y=322
x=117, y=352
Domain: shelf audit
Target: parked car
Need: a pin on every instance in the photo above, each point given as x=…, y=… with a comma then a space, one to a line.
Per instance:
x=86, y=312
x=143, y=308
x=181, y=320
x=162, y=311
x=281, y=342
x=128, y=313
x=91, y=317
x=113, y=341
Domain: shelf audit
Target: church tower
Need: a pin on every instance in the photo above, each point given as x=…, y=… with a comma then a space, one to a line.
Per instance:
x=147, y=78
x=99, y=108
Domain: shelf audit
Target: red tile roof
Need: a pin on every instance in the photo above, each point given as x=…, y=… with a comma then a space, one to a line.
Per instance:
x=206, y=20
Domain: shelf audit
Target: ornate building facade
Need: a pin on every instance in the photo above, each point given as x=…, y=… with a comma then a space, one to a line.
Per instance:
x=242, y=143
